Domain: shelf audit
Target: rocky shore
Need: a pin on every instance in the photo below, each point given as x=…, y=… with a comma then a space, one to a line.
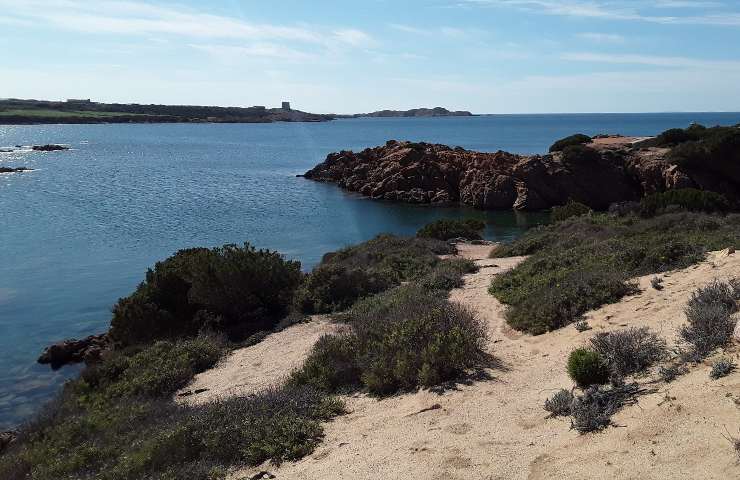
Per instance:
x=610, y=169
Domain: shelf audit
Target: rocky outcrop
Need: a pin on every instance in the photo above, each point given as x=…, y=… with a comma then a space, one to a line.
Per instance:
x=14, y=170
x=88, y=350
x=6, y=439
x=49, y=148
x=605, y=173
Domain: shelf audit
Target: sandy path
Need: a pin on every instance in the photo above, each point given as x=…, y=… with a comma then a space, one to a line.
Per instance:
x=254, y=368
x=496, y=428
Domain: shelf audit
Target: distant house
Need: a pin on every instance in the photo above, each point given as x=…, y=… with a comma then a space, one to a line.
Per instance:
x=286, y=106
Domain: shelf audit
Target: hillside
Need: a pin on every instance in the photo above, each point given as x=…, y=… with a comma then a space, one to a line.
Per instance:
x=496, y=427
x=21, y=112
x=414, y=112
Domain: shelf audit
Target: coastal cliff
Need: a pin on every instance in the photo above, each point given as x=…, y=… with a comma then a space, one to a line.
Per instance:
x=414, y=112
x=610, y=169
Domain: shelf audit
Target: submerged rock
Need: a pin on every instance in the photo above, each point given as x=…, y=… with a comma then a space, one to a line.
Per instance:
x=88, y=350
x=6, y=439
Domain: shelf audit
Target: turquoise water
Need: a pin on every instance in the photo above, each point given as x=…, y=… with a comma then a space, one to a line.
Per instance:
x=79, y=231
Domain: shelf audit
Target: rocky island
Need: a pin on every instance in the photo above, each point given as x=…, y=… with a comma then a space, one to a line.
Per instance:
x=596, y=172
x=414, y=112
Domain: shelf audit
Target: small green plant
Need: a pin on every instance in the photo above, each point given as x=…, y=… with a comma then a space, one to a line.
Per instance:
x=570, y=209
x=722, y=368
x=582, y=326
x=587, y=367
x=593, y=410
x=577, y=139
x=448, y=274
x=447, y=229
x=657, y=283
x=559, y=404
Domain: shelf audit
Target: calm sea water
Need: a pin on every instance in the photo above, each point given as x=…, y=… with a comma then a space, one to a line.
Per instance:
x=79, y=231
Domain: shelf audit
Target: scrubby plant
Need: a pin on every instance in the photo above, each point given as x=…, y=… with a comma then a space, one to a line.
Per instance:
x=629, y=351
x=559, y=404
x=570, y=209
x=722, y=368
x=242, y=289
x=446, y=229
x=356, y=272
x=715, y=150
x=582, y=326
x=710, y=323
x=585, y=262
x=671, y=372
x=398, y=340
x=687, y=198
x=593, y=410
x=577, y=139
x=448, y=274
x=657, y=283
x=580, y=154
x=587, y=367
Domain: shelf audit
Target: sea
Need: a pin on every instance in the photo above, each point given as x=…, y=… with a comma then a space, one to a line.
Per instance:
x=80, y=230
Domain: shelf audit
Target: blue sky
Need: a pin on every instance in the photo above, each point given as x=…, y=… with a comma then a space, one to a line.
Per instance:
x=487, y=56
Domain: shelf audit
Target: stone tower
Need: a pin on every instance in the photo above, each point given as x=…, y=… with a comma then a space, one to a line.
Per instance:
x=286, y=106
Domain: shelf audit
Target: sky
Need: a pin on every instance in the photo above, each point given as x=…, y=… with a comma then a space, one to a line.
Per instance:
x=326, y=56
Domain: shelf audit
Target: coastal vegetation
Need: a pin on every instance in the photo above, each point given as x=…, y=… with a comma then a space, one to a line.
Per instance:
x=577, y=139
x=371, y=267
x=118, y=419
x=586, y=261
x=446, y=229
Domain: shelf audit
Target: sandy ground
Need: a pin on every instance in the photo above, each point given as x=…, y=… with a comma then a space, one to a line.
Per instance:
x=616, y=141
x=496, y=428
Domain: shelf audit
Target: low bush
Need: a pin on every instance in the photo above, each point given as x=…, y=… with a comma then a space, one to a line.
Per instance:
x=629, y=351
x=577, y=139
x=715, y=150
x=580, y=154
x=356, y=272
x=570, y=209
x=593, y=410
x=447, y=229
x=722, y=368
x=657, y=283
x=587, y=368
x=687, y=198
x=584, y=262
x=237, y=290
x=710, y=323
x=399, y=340
x=559, y=404
x=448, y=274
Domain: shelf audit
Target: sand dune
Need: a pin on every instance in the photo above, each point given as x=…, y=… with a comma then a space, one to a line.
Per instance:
x=496, y=428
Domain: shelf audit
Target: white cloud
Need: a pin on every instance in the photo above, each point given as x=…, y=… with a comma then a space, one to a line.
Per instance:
x=601, y=37
x=654, y=61
x=137, y=18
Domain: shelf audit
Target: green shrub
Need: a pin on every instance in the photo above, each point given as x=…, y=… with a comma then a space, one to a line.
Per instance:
x=580, y=154
x=331, y=365
x=687, y=198
x=447, y=229
x=448, y=274
x=238, y=290
x=577, y=139
x=356, y=272
x=673, y=136
x=715, y=149
x=399, y=340
x=583, y=262
x=570, y=209
x=587, y=368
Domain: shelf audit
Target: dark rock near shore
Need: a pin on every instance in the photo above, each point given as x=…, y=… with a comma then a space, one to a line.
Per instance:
x=49, y=148
x=425, y=173
x=6, y=439
x=14, y=170
x=88, y=350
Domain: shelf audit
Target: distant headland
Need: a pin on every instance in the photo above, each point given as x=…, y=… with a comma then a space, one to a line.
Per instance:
x=30, y=112
x=72, y=111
